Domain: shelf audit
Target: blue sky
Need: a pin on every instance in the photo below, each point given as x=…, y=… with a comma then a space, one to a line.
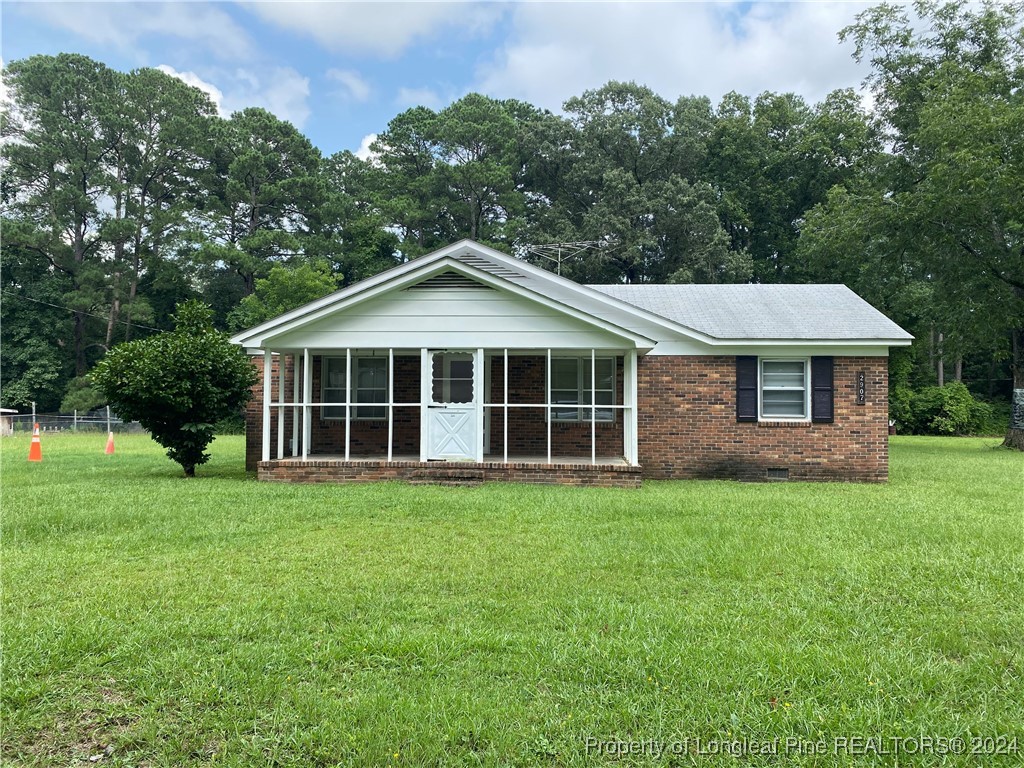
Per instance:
x=341, y=70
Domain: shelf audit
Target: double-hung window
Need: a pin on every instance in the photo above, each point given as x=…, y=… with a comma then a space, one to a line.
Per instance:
x=573, y=385
x=369, y=385
x=784, y=389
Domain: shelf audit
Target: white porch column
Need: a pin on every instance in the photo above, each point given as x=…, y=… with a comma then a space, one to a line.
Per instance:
x=505, y=430
x=268, y=382
x=425, y=377
x=296, y=410
x=630, y=431
x=547, y=400
x=391, y=400
x=593, y=406
x=348, y=398
x=307, y=399
x=478, y=390
x=280, y=408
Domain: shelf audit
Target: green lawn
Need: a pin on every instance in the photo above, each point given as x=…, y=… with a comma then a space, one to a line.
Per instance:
x=158, y=621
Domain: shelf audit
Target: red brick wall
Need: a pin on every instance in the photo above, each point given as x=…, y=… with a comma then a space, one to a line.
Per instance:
x=687, y=425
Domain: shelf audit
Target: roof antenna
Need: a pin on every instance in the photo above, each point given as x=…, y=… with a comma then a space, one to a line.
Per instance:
x=562, y=252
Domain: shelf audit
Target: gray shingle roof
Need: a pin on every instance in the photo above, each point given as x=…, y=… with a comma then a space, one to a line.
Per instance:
x=762, y=311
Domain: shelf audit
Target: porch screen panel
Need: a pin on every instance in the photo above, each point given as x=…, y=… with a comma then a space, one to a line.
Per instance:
x=333, y=374
x=371, y=387
x=582, y=382
x=603, y=379
x=564, y=388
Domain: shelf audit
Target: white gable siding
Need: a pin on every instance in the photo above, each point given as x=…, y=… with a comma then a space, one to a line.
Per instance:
x=453, y=318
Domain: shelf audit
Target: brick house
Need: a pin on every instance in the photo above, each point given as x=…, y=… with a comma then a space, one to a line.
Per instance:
x=468, y=364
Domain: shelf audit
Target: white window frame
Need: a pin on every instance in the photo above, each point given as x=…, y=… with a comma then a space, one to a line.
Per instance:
x=582, y=387
x=356, y=405
x=807, y=388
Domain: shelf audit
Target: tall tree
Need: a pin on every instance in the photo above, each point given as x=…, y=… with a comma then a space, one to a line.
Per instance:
x=773, y=158
x=948, y=83
x=56, y=147
x=456, y=173
x=625, y=182
x=348, y=228
x=33, y=328
x=284, y=289
x=160, y=150
x=264, y=185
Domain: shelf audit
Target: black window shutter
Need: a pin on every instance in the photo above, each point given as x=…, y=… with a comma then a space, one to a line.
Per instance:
x=822, y=409
x=746, y=388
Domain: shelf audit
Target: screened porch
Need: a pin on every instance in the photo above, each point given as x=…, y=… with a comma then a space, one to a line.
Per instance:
x=511, y=406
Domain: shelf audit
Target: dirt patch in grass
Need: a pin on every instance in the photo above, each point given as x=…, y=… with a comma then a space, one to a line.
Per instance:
x=87, y=735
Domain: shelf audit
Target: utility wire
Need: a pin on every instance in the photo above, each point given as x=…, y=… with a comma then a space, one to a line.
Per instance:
x=81, y=311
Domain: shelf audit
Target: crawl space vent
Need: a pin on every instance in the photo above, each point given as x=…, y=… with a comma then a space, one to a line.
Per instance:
x=778, y=474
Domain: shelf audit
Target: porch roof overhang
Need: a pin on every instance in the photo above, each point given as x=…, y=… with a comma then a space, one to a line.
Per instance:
x=266, y=334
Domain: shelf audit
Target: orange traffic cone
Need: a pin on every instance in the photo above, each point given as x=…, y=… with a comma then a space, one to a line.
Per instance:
x=35, y=451
x=110, y=443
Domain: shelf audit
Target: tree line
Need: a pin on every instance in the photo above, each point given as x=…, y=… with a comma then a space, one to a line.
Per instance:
x=124, y=194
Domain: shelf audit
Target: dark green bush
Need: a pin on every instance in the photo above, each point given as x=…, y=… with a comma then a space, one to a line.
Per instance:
x=947, y=410
x=901, y=400
x=178, y=384
x=230, y=425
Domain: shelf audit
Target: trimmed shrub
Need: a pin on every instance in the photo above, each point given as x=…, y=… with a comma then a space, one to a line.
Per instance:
x=947, y=410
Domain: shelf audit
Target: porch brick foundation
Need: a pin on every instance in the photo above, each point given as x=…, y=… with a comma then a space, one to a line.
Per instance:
x=449, y=473
x=687, y=425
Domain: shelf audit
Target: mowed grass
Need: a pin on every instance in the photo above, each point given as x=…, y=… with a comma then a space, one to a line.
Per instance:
x=150, y=620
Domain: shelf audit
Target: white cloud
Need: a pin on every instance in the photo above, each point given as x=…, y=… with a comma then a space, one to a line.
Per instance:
x=407, y=98
x=280, y=90
x=121, y=25
x=381, y=28
x=191, y=78
x=353, y=84
x=365, y=152
x=558, y=50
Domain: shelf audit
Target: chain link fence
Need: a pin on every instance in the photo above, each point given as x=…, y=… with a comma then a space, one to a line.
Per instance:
x=84, y=421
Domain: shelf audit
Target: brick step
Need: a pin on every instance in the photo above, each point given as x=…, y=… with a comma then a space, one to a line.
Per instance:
x=446, y=476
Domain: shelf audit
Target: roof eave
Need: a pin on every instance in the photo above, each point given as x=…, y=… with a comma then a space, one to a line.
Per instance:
x=845, y=342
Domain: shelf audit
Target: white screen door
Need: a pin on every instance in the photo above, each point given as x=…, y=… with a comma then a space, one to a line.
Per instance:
x=452, y=428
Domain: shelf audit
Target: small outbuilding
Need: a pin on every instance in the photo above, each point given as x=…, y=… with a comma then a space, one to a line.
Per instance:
x=468, y=364
x=7, y=421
